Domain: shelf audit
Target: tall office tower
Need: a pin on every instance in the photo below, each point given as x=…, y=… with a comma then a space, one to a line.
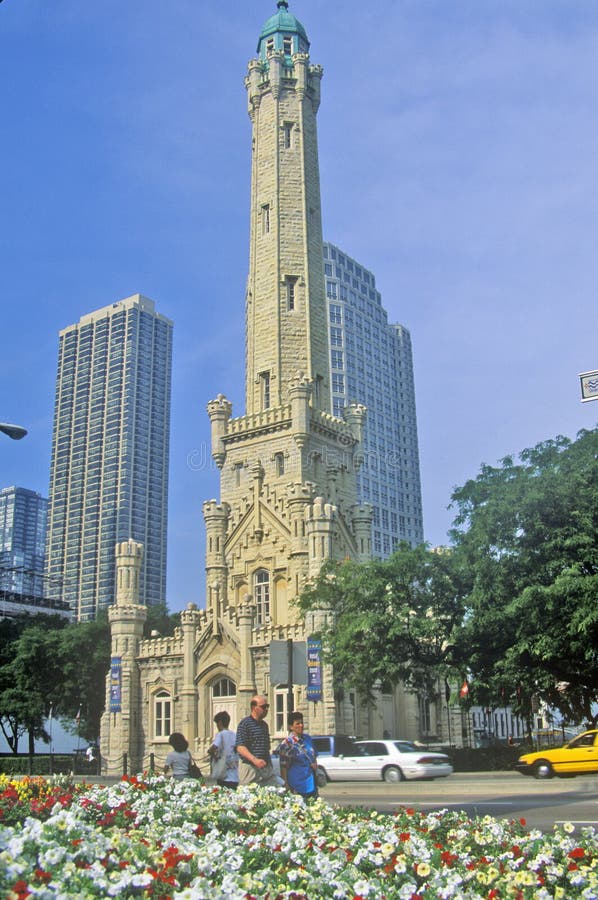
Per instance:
x=23, y=516
x=110, y=447
x=371, y=363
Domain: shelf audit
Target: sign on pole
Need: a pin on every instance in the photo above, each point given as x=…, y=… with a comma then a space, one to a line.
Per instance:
x=279, y=662
x=589, y=386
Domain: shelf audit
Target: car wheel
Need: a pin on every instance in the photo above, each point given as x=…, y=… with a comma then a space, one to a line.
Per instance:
x=543, y=769
x=321, y=777
x=392, y=775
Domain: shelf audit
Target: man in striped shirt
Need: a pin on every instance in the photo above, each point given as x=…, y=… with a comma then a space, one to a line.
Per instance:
x=253, y=746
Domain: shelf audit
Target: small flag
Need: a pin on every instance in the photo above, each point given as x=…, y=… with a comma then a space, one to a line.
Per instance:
x=464, y=690
x=78, y=716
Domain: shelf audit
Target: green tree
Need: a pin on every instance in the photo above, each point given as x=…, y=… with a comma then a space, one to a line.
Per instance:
x=29, y=674
x=84, y=653
x=160, y=620
x=526, y=534
x=389, y=620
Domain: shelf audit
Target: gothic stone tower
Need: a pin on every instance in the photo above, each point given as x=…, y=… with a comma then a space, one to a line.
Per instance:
x=288, y=467
x=288, y=497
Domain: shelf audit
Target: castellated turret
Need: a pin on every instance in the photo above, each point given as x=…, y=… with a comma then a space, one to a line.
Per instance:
x=216, y=516
x=121, y=736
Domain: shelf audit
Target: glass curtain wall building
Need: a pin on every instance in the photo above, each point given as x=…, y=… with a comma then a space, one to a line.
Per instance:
x=110, y=453
x=23, y=516
x=371, y=363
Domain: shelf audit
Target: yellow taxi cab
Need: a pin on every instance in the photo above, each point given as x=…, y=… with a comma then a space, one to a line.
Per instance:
x=578, y=757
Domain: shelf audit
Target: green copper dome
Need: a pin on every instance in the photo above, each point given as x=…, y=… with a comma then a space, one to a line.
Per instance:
x=282, y=24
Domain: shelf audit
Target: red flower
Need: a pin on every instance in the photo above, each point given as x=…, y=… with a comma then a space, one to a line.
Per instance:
x=41, y=875
x=404, y=836
x=577, y=853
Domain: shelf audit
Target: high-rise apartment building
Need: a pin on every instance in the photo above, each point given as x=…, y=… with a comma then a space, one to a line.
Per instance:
x=110, y=449
x=371, y=363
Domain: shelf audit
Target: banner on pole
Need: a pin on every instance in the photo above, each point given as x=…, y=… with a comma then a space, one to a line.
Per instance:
x=115, y=683
x=314, y=669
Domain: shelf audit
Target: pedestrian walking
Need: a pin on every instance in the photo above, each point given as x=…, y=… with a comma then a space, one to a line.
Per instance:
x=179, y=760
x=298, y=760
x=225, y=760
x=253, y=746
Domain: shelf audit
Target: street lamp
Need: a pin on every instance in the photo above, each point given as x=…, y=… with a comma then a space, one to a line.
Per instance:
x=16, y=432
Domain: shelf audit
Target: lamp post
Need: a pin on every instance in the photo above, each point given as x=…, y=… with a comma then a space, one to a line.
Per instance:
x=16, y=432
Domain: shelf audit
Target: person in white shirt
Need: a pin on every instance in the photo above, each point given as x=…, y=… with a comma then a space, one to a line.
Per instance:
x=225, y=762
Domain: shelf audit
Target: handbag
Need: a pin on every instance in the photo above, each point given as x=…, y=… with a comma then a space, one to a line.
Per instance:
x=219, y=767
x=194, y=771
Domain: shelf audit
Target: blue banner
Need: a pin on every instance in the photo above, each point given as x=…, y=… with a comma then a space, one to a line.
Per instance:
x=314, y=669
x=115, y=684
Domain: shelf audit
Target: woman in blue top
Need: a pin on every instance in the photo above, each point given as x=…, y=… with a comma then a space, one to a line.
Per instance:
x=298, y=761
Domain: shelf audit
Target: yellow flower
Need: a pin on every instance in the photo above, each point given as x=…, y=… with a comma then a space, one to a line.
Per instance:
x=423, y=869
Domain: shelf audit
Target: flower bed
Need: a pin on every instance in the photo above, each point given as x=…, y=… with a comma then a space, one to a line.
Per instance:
x=163, y=839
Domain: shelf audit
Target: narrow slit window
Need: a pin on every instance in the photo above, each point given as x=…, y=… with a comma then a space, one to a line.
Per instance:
x=266, y=218
x=290, y=286
x=287, y=132
x=265, y=389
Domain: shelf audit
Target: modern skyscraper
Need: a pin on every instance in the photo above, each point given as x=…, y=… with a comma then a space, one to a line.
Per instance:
x=23, y=516
x=110, y=449
x=371, y=363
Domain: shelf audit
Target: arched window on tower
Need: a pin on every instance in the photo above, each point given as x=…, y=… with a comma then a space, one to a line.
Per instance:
x=261, y=593
x=162, y=714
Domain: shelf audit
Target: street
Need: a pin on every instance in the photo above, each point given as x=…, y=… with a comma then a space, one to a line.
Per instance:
x=500, y=794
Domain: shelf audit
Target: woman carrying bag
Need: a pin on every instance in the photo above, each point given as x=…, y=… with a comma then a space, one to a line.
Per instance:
x=225, y=762
x=179, y=759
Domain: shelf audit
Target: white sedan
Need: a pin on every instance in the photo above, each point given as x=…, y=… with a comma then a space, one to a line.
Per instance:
x=391, y=761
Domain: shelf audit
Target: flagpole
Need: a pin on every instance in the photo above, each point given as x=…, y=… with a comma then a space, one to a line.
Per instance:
x=50, y=717
x=78, y=720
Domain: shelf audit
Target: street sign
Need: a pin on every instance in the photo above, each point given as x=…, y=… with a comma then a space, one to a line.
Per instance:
x=279, y=662
x=589, y=386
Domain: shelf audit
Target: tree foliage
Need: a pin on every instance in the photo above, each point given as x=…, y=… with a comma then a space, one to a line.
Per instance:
x=389, y=620
x=85, y=660
x=526, y=533
x=48, y=665
x=29, y=672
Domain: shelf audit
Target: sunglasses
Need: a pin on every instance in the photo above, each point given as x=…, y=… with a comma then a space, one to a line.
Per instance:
x=264, y=706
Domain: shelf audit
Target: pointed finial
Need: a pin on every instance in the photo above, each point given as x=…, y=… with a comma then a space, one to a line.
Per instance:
x=282, y=4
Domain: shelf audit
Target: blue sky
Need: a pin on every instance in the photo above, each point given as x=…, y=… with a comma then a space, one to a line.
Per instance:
x=458, y=148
